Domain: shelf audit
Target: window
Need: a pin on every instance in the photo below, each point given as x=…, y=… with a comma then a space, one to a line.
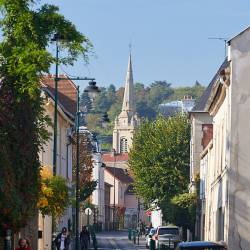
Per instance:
x=124, y=145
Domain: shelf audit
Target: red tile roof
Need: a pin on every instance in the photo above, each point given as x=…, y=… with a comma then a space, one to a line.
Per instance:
x=108, y=157
x=67, y=92
x=120, y=174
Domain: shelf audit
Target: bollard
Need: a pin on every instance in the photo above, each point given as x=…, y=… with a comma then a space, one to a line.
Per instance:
x=129, y=234
x=151, y=244
x=134, y=236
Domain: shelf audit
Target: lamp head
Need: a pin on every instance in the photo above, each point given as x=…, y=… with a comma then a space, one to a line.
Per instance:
x=92, y=90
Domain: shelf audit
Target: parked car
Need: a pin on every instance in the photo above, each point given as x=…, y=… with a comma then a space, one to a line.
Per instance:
x=149, y=236
x=167, y=235
x=201, y=245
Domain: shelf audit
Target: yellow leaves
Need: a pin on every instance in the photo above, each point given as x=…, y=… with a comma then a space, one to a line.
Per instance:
x=46, y=172
x=54, y=196
x=43, y=202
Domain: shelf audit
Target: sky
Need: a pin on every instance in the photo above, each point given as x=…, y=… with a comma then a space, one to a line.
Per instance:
x=169, y=37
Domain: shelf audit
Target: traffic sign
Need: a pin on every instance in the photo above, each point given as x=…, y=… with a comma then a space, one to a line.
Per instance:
x=88, y=211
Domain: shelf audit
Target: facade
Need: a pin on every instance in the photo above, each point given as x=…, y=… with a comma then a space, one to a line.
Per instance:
x=225, y=160
x=67, y=94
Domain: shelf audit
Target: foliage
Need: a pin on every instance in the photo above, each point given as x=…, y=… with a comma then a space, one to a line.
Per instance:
x=181, y=210
x=146, y=103
x=159, y=159
x=54, y=196
x=26, y=34
x=87, y=190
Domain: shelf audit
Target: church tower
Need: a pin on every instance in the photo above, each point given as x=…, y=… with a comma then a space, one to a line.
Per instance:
x=127, y=120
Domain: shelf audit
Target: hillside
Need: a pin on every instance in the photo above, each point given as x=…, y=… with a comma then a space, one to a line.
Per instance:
x=147, y=100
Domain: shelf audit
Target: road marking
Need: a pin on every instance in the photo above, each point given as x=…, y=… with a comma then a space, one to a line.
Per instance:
x=114, y=245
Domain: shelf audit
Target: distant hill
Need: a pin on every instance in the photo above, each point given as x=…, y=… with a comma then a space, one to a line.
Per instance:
x=147, y=100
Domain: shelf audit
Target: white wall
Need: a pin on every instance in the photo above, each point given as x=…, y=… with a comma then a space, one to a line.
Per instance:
x=239, y=183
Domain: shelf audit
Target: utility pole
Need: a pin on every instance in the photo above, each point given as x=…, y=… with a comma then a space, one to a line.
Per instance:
x=114, y=156
x=77, y=170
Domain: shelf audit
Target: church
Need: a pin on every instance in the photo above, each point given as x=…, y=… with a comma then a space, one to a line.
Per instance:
x=123, y=209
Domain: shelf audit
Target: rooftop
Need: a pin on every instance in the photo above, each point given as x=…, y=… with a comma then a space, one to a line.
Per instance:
x=67, y=92
x=201, y=105
x=109, y=157
x=120, y=174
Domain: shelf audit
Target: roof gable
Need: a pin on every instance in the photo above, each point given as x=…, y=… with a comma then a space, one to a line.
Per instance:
x=120, y=174
x=67, y=91
x=201, y=106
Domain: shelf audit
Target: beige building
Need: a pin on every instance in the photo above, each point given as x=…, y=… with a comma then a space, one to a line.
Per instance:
x=39, y=231
x=225, y=161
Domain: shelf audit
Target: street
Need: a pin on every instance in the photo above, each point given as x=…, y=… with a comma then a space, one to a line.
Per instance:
x=118, y=240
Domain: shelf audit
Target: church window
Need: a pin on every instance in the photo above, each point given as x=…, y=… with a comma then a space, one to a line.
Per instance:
x=124, y=145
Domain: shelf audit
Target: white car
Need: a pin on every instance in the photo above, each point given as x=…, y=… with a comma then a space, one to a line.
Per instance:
x=167, y=235
x=149, y=236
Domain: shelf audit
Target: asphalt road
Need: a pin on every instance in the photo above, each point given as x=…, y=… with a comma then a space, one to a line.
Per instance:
x=118, y=240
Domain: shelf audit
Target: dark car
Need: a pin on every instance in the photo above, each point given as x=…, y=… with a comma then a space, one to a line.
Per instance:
x=200, y=245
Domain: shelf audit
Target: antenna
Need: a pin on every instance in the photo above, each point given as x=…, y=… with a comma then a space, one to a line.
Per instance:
x=224, y=39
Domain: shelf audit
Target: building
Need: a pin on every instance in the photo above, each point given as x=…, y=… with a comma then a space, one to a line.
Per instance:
x=183, y=106
x=225, y=160
x=121, y=204
x=97, y=197
x=39, y=230
x=67, y=94
x=201, y=134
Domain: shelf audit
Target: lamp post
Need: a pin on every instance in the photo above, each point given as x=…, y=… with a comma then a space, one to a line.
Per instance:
x=114, y=155
x=92, y=90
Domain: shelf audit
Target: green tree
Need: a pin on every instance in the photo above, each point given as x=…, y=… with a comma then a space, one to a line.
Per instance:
x=159, y=91
x=159, y=159
x=27, y=32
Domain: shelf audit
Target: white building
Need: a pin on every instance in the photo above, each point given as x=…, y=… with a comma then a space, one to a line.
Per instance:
x=97, y=197
x=183, y=106
x=225, y=161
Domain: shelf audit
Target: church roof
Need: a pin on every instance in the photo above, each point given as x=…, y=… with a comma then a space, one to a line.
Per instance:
x=120, y=174
x=128, y=99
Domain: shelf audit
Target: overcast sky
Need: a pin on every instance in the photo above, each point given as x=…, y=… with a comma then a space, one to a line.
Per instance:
x=169, y=37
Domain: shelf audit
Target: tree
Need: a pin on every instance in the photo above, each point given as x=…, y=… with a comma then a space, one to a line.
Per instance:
x=87, y=185
x=85, y=102
x=159, y=160
x=159, y=91
x=24, y=58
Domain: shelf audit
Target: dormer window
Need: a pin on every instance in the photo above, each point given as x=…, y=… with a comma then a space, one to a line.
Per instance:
x=124, y=145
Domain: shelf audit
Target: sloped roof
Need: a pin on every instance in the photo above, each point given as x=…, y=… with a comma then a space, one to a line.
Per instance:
x=201, y=105
x=67, y=92
x=108, y=157
x=120, y=174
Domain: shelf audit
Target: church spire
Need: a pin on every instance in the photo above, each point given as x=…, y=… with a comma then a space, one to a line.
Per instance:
x=128, y=99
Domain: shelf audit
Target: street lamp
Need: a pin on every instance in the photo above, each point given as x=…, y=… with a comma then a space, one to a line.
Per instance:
x=114, y=156
x=92, y=89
